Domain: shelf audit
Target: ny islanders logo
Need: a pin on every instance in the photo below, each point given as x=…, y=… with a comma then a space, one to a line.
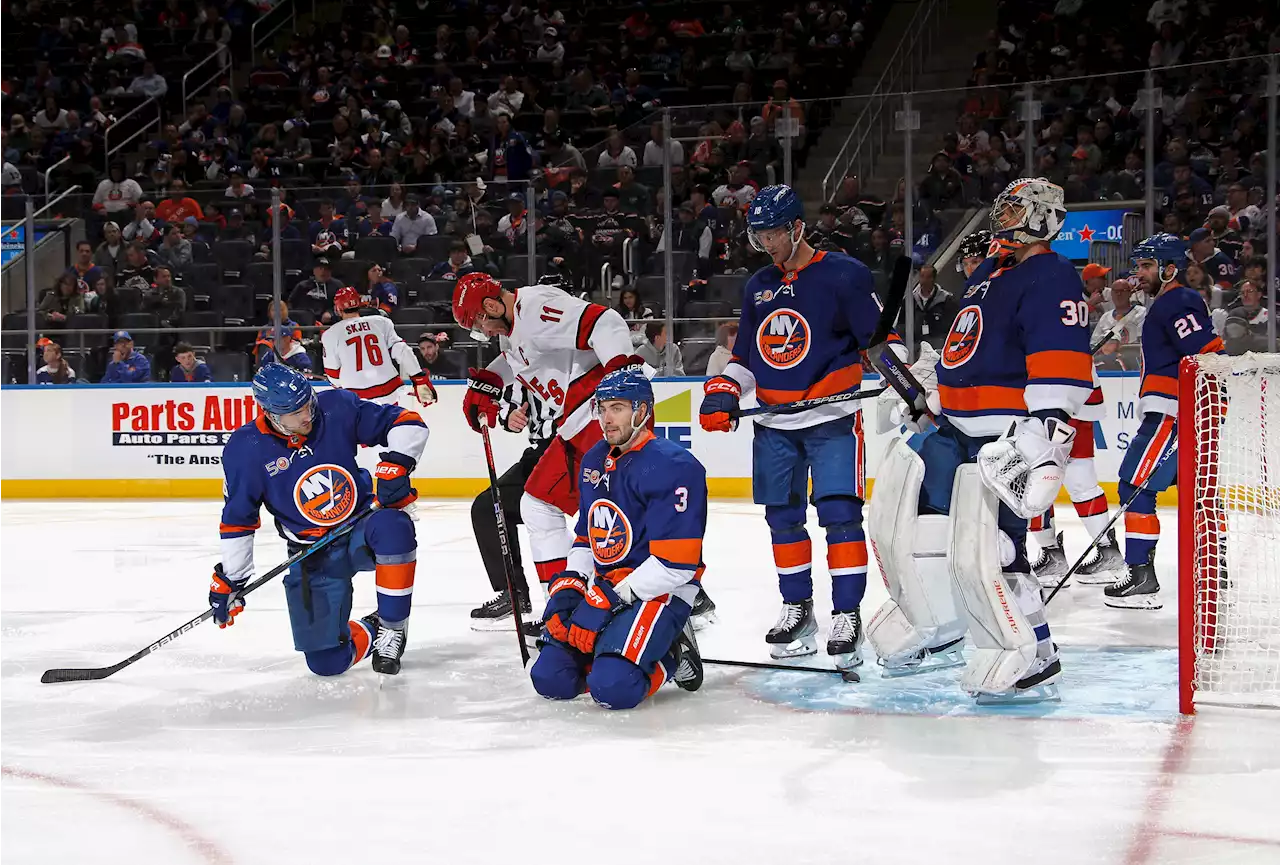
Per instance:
x=962, y=341
x=325, y=495
x=783, y=338
x=609, y=532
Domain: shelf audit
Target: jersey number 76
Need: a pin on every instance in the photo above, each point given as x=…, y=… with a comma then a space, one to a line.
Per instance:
x=371, y=348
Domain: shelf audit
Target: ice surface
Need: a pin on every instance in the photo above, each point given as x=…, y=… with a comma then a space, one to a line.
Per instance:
x=223, y=748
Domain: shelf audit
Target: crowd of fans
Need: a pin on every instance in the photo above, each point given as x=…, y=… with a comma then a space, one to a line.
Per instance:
x=408, y=143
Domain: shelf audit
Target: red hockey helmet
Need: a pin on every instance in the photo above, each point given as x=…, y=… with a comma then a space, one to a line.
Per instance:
x=469, y=296
x=346, y=299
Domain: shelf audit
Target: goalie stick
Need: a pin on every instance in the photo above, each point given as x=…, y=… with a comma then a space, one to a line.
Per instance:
x=504, y=543
x=88, y=674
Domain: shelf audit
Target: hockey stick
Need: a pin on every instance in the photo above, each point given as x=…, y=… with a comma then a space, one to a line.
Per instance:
x=1116, y=330
x=800, y=405
x=505, y=545
x=1124, y=506
x=850, y=676
x=86, y=674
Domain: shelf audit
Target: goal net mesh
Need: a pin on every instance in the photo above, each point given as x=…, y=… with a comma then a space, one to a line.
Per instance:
x=1235, y=564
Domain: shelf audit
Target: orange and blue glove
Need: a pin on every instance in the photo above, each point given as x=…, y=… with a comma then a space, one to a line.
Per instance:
x=224, y=597
x=719, y=411
x=392, y=473
x=566, y=592
x=598, y=607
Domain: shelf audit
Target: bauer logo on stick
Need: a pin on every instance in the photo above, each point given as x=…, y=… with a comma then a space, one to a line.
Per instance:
x=962, y=341
x=783, y=338
x=610, y=532
x=325, y=495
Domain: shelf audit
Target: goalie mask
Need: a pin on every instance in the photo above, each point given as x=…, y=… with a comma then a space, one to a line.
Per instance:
x=1027, y=211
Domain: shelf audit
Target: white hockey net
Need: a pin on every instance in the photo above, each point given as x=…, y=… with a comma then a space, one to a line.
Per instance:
x=1229, y=525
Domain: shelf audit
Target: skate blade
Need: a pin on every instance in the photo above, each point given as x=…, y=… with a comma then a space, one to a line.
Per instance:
x=489, y=626
x=1050, y=583
x=703, y=621
x=847, y=660
x=794, y=649
x=1045, y=692
x=1101, y=578
x=930, y=663
x=1135, y=602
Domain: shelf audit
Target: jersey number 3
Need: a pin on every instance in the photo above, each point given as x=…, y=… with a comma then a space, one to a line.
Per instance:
x=1075, y=312
x=371, y=348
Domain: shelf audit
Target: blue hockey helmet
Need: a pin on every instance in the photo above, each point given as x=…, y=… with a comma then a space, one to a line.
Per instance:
x=281, y=390
x=1162, y=248
x=773, y=207
x=628, y=383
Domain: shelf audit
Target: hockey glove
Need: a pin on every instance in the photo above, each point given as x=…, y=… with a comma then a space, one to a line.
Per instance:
x=224, y=597
x=568, y=588
x=720, y=404
x=484, y=388
x=598, y=608
x=392, y=473
x=1026, y=465
x=422, y=388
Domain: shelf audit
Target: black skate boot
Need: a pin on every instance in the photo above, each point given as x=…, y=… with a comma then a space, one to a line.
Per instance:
x=388, y=646
x=1051, y=565
x=795, y=634
x=704, y=610
x=493, y=615
x=688, y=675
x=845, y=638
x=1106, y=566
x=1138, y=589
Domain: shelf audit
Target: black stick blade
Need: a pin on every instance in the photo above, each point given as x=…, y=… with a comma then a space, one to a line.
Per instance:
x=83, y=674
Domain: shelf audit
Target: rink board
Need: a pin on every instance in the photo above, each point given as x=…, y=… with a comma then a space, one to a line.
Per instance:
x=165, y=441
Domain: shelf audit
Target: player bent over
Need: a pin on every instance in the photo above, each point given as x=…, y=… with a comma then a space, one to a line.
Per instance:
x=359, y=350
x=1015, y=367
x=298, y=459
x=617, y=619
x=806, y=319
x=1177, y=326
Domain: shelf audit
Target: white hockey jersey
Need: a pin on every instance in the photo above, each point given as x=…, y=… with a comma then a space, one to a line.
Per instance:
x=555, y=356
x=359, y=354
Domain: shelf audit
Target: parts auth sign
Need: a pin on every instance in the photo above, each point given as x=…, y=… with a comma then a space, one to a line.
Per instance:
x=207, y=421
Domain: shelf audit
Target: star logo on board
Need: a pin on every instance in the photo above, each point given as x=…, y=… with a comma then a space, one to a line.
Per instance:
x=1086, y=233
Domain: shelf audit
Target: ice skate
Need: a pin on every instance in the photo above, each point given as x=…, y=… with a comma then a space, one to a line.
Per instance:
x=942, y=657
x=495, y=614
x=1040, y=685
x=704, y=610
x=1138, y=589
x=1106, y=566
x=688, y=675
x=1051, y=565
x=795, y=635
x=388, y=646
x=845, y=639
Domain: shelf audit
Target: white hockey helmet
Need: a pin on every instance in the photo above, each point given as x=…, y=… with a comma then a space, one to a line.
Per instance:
x=1030, y=210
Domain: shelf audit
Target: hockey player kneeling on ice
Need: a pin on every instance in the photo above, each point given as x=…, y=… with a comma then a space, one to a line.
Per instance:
x=806, y=321
x=617, y=619
x=1014, y=369
x=299, y=460
x=1177, y=325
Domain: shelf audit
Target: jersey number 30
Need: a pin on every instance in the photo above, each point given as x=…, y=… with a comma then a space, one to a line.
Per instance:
x=1075, y=312
x=371, y=348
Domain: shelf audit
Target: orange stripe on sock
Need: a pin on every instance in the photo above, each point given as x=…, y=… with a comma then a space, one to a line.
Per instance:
x=794, y=554
x=395, y=576
x=847, y=554
x=360, y=638
x=1142, y=524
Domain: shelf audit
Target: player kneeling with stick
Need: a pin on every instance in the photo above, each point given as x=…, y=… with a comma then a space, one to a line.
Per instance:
x=617, y=620
x=298, y=459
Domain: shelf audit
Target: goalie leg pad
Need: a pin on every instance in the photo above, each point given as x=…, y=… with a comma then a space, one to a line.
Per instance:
x=1004, y=640
x=923, y=612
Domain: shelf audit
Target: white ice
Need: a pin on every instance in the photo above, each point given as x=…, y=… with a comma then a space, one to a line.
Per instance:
x=222, y=748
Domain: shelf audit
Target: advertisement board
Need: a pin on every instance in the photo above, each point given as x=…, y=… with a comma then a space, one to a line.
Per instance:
x=1082, y=227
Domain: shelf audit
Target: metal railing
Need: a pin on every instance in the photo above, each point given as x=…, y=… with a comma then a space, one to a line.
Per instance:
x=223, y=61
x=48, y=174
x=146, y=127
x=267, y=26
x=866, y=137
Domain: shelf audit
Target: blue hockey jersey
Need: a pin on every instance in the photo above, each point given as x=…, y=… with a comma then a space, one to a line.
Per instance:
x=311, y=483
x=644, y=511
x=1177, y=326
x=801, y=335
x=1019, y=344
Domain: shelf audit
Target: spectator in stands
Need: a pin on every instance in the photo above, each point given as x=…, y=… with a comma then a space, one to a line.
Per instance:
x=942, y=186
x=188, y=367
x=372, y=223
x=394, y=204
x=109, y=254
x=1217, y=264
x=234, y=227
x=935, y=309
x=726, y=336
x=150, y=83
x=62, y=301
x=1245, y=217
x=739, y=190
x=630, y=307
x=178, y=205
x=1123, y=309
x=237, y=188
x=382, y=292
x=412, y=225
x=507, y=99
x=288, y=351
x=653, y=348
x=1246, y=322
x=633, y=196
x=166, y=299
x=582, y=195
x=138, y=273
x=1094, y=277
x=175, y=250
x=1225, y=237
x=315, y=294
x=827, y=233
x=56, y=370
x=378, y=173
x=763, y=152
x=52, y=118
x=116, y=193
x=551, y=48
x=616, y=153
x=434, y=359
x=561, y=155
x=127, y=366
x=881, y=255
x=266, y=333
x=142, y=228
x=86, y=270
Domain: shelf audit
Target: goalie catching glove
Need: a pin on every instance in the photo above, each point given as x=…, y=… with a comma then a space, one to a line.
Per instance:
x=1025, y=466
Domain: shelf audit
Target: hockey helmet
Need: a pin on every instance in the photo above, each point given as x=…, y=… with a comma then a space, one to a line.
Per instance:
x=1030, y=210
x=346, y=299
x=628, y=383
x=1164, y=249
x=280, y=390
x=773, y=207
x=975, y=245
x=469, y=294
